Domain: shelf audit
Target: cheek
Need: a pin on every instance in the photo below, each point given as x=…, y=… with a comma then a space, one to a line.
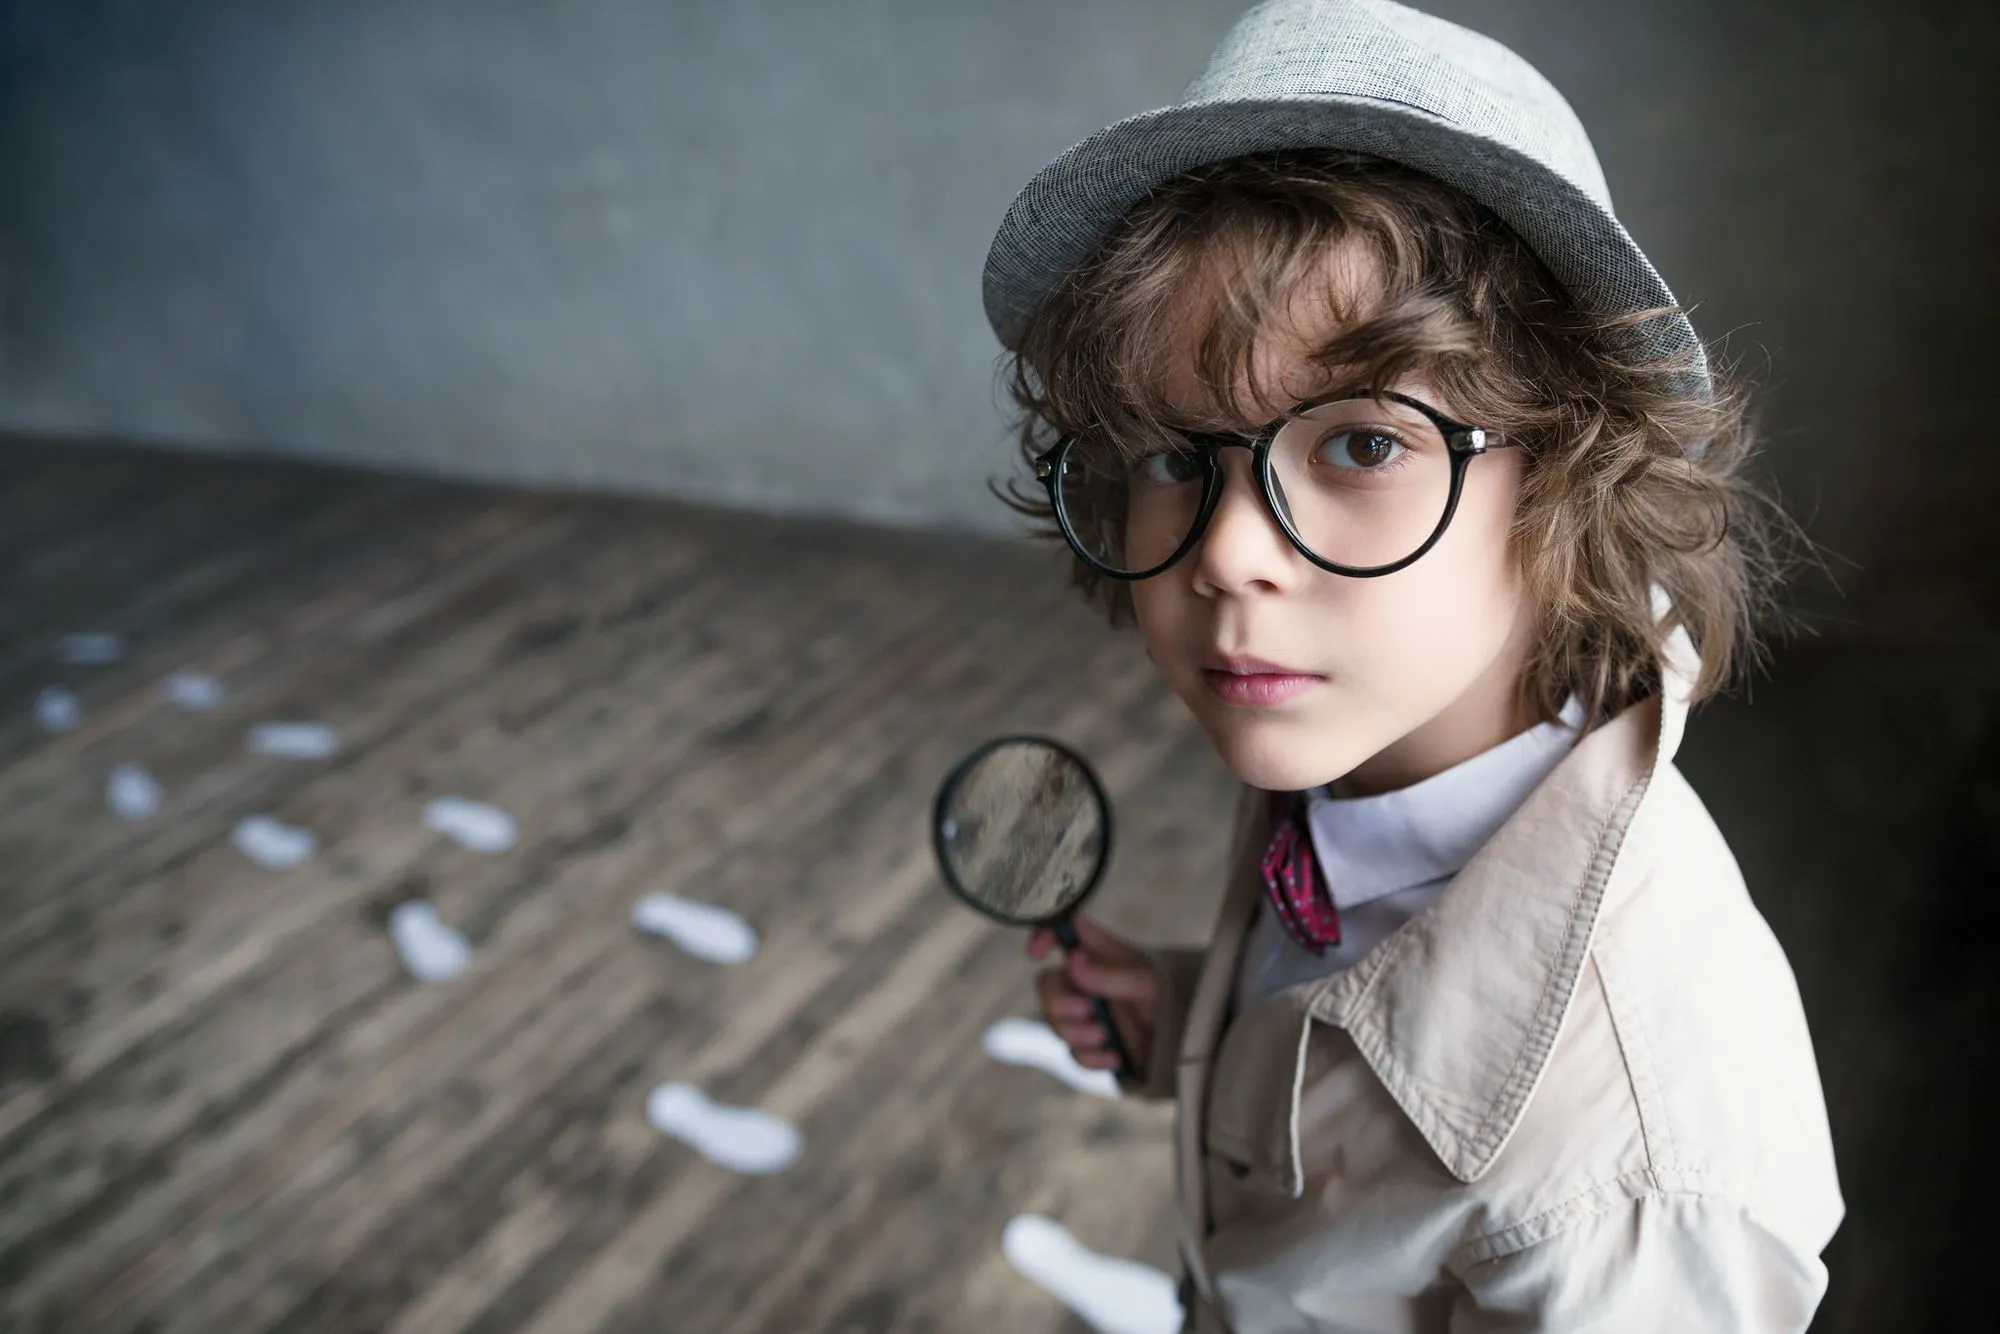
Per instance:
x=1160, y=610
x=1480, y=538
x=1483, y=558
x=1449, y=613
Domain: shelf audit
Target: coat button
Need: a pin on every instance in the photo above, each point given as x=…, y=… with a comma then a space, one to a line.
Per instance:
x=1236, y=1169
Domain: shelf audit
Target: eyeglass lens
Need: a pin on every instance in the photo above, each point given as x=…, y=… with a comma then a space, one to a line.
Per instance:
x=1362, y=483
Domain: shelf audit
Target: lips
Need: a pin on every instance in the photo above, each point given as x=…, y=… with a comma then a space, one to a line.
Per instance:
x=1239, y=678
x=1242, y=664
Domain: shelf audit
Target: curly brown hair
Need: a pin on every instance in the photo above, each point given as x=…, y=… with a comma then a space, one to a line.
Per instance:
x=1630, y=480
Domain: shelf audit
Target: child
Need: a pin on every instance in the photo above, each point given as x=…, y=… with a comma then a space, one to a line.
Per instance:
x=1340, y=378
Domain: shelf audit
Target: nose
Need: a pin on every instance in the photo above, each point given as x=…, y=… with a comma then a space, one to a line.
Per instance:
x=1242, y=548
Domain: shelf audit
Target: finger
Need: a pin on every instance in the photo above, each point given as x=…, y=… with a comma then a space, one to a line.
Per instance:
x=1134, y=983
x=1100, y=1059
x=1069, y=1006
x=1059, y=999
x=1039, y=942
x=1103, y=942
x=1087, y=1035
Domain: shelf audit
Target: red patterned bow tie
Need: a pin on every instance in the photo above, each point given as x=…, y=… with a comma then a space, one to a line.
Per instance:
x=1293, y=880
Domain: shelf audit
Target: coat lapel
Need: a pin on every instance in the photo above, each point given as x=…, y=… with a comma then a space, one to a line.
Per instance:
x=1458, y=1012
x=1203, y=1027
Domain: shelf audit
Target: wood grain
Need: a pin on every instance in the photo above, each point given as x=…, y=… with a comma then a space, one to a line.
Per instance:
x=224, y=1105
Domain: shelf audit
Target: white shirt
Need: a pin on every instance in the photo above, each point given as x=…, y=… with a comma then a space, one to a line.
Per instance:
x=1388, y=857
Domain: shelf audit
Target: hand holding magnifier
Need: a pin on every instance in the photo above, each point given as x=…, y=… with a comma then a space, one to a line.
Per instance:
x=1022, y=830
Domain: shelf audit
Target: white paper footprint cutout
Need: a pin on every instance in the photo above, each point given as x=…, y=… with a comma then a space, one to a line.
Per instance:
x=57, y=710
x=702, y=929
x=1111, y=1295
x=273, y=844
x=92, y=649
x=295, y=741
x=131, y=792
x=742, y=1139
x=1032, y=1042
x=432, y=951
x=196, y=692
x=471, y=824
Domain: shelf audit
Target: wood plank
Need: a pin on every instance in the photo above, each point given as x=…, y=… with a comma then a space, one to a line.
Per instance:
x=307, y=910
x=835, y=789
x=181, y=552
x=594, y=938
x=390, y=632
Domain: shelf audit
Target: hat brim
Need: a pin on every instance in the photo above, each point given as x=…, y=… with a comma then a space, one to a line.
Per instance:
x=1058, y=218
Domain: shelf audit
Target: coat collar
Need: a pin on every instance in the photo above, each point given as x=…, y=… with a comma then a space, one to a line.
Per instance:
x=1458, y=1012
x=1377, y=845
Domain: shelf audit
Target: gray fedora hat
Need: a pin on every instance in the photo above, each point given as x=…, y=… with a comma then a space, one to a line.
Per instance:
x=1376, y=78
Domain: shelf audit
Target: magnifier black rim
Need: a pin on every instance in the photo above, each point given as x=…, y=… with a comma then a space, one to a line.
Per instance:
x=950, y=785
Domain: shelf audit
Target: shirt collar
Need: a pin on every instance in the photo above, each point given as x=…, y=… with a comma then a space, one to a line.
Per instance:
x=1458, y=1012
x=1377, y=845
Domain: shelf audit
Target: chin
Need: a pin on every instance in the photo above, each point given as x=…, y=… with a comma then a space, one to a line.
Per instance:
x=1276, y=754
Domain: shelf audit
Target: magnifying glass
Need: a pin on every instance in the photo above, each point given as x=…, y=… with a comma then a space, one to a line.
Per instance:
x=1022, y=830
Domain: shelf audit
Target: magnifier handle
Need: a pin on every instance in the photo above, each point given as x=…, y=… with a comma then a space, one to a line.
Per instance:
x=1100, y=1010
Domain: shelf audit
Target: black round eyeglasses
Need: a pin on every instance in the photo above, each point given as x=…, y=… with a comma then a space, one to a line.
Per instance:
x=1362, y=485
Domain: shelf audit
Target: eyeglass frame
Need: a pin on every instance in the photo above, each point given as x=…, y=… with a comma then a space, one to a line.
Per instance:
x=1463, y=443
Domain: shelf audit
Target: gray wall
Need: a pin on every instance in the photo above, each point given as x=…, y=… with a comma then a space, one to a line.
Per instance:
x=732, y=251
x=724, y=251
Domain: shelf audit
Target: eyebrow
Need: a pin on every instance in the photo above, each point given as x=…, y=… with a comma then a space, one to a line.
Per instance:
x=1333, y=389
x=1217, y=428
x=1337, y=395
x=1231, y=432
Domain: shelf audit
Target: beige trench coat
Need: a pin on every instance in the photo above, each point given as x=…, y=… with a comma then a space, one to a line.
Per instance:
x=1576, y=1094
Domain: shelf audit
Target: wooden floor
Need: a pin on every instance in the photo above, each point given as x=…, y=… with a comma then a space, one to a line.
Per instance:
x=224, y=1106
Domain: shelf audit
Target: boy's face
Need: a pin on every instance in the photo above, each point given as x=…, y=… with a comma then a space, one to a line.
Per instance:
x=1408, y=673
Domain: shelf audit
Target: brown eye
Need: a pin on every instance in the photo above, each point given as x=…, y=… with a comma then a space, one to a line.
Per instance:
x=1360, y=449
